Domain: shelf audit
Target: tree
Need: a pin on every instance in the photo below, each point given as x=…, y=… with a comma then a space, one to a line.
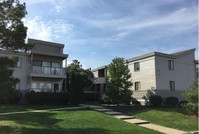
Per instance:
x=192, y=96
x=8, y=94
x=12, y=38
x=12, y=29
x=118, y=88
x=78, y=80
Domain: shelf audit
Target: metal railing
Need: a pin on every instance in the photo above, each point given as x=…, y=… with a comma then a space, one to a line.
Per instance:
x=48, y=70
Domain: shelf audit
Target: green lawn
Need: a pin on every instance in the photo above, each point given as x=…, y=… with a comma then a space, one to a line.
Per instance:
x=67, y=122
x=15, y=108
x=169, y=117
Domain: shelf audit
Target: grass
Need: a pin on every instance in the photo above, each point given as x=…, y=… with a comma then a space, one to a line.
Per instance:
x=70, y=122
x=16, y=108
x=168, y=117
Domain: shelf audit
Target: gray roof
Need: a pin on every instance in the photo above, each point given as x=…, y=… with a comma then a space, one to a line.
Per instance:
x=102, y=67
x=45, y=42
x=172, y=56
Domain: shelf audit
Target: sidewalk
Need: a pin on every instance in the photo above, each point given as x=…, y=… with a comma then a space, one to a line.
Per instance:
x=136, y=121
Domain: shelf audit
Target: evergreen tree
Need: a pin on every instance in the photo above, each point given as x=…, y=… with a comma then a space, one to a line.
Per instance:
x=118, y=88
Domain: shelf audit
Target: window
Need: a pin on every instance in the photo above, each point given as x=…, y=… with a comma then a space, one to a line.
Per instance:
x=46, y=67
x=136, y=66
x=171, y=65
x=37, y=63
x=46, y=64
x=17, y=86
x=137, y=86
x=172, y=85
x=18, y=63
x=56, y=64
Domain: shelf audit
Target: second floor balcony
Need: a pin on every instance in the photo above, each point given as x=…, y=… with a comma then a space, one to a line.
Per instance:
x=48, y=71
x=99, y=80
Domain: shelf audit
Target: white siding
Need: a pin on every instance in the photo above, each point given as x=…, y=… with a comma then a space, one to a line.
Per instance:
x=95, y=73
x=183, y=73
x=21, y=72
x=146, y=75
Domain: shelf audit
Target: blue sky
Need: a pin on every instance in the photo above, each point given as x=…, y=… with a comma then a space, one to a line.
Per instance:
x=96, y=31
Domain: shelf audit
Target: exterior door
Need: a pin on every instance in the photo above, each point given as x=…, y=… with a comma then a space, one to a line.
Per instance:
x=56, y=87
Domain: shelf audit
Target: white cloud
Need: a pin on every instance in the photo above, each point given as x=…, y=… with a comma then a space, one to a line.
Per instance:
x=40, y=29
x=181, y=19
x=31, y=2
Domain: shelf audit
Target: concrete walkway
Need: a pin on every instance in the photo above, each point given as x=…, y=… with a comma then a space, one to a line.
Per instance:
x=136, y=121
x=39, y=111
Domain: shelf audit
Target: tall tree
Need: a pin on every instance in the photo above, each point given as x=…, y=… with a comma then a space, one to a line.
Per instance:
x=8, y=94
x=12, y=38
x=12, y=30
x=119, y=83
x=78, y=80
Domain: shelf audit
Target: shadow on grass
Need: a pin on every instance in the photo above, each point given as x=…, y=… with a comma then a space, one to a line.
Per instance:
x=45, y=119
x=23, y=130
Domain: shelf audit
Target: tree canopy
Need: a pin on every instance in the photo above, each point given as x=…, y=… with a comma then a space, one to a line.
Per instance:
x=12, y=30
x=119, y=83
x=78, y=80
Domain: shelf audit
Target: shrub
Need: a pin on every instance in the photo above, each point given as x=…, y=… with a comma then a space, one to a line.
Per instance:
x=126, y=97
x=191, y=108
x=192, y=96
x=46, y=98
x=135, y=102
x=91, y=96
x=106, y=99
x=8, y=94
x=172, y=101
x=182, y=103
x=155, y=100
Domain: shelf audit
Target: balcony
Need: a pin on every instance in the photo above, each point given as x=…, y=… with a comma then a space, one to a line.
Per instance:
x=38, y=71
x=99, y=80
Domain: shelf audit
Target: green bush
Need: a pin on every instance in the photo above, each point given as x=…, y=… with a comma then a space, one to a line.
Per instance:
x=46, y=98
x=191, y=108
x=192, y=96
x=8, y=94
x=106, y=99
x=135, y=102
x=155, y=100
x=172, y=101
x=126, y=97
x=91, y=96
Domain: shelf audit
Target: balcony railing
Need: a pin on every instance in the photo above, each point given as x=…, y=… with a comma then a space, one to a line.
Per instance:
x=48, y=70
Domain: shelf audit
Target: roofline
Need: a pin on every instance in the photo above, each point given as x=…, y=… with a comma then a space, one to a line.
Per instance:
x=150, y=55
x=102, y=67
x=45, y=42
x=184, y=52
x=54, y=55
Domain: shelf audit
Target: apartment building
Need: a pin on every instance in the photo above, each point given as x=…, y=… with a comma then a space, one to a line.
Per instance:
x=157, y=73
x=41, y=69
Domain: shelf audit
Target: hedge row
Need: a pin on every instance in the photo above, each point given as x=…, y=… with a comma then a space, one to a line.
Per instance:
x=46, y=98
x=156, y=100
x=91, y=96
x=9, y=95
